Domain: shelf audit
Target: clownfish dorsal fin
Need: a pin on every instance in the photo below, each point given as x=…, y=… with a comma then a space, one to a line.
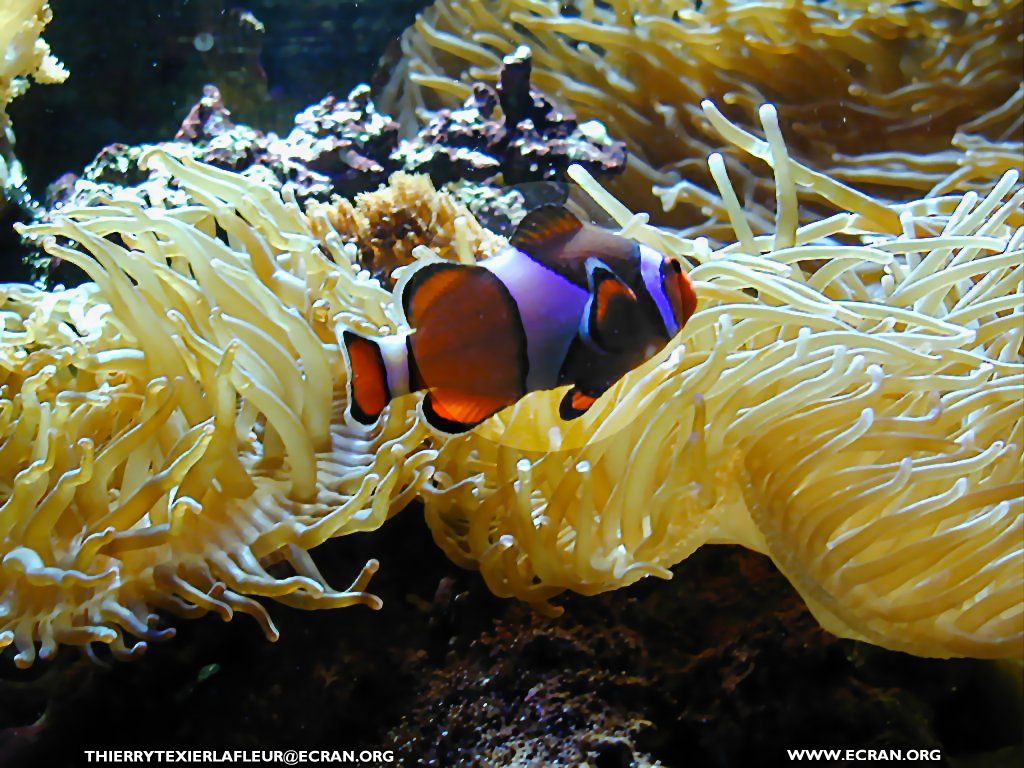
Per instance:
x=545, y=228
x=575, y=403
x=612, y=311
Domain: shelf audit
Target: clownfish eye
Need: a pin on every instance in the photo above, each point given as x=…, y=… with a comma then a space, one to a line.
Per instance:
x=679, y=289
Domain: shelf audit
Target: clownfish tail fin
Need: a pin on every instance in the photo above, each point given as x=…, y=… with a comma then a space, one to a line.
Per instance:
x=368, y=388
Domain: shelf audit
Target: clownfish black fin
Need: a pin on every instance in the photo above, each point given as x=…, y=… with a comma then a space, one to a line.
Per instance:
x=575, y=403
x=612, y=312
x=680, y=291
x=457, y=412
x=545, y=228
x=368, y=382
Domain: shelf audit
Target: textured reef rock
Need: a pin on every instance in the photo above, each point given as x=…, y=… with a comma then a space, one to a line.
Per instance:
x=345, y=145
x=338, y=146
x=208, y=119
x=722, y=666
x=512, y=129
x=269, y=58
x=508, y=134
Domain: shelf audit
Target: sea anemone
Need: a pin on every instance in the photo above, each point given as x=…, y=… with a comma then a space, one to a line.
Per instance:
x=908, y=98
x=23, y=55
x=172, y=428
x=845, y=399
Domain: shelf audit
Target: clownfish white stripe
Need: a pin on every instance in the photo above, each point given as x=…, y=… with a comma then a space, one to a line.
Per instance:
x=650, y=270
x=395, y=352
x=549, y=309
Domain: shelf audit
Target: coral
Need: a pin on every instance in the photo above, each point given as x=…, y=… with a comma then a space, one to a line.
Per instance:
x=389, y=224
x=874, y=92
x=25, y=55
x=349, y=142
x=173, y=427
x=513, y=130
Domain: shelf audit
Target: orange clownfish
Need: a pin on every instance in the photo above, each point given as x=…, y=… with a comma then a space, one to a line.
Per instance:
x=564, y=303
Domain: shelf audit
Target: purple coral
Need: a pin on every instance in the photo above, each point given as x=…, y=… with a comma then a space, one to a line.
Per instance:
x=512, y=129
x=346, y=146
x=347, y=141
x=207, y=119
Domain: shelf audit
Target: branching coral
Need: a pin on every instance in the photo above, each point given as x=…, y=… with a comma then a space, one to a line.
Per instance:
x=389, y=224
x=873, y=92
x=173, y=427
x=22, y=55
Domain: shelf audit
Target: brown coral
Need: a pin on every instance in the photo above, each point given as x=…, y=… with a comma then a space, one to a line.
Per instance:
x=389, y=224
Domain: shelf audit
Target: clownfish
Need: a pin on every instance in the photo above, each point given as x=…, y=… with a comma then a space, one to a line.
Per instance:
x=564, y=303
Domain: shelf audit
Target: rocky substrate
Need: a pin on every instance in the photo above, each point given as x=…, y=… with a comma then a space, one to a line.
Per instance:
x=722, y=666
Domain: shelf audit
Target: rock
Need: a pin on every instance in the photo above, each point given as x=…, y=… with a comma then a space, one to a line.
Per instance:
x=510, y=129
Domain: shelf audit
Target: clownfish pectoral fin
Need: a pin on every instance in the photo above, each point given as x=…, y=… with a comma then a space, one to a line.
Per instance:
x=612, y=313
x=457, y=412
x=575, y=403
x=544, y=229
x=368, y=380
